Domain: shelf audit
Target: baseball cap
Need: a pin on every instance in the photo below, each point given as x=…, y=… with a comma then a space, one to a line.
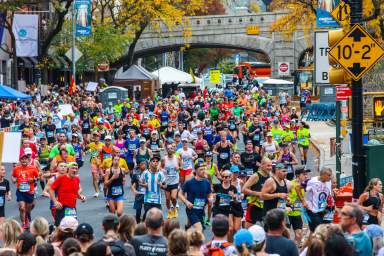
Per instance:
x=234, y=169
x=111, y=218
x=258, y=234
x=28, y=239
x=27, y=151
x=155, y=157
x=199, y=163
x=280, y=166
x=184, y=140
x=69, y=222
x=243, y=236
x=177, y=134
x=269, y=134
x=108, y=137
x=72, y=164
x=142, y=140
x=300, y=170
x=249, y=142
x=209, y=153
x=84, y=228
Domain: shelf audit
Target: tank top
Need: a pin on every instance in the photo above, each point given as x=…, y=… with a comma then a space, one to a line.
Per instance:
x=254, y=200
x=121, y=147
x=199, y=145
x=107, y=152
x=154, y=145
x=116, y=188
x=171, y=167
x=142, y=157
x=276, y=202
x=375, y=202
x=288, y=158
x=224, y=153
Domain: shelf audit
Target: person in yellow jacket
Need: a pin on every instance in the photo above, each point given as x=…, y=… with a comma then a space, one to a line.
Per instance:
x=289, y=137
x=297, y=202
x=303, y=136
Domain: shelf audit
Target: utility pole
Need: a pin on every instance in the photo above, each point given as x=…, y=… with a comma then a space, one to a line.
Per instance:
x=338, y=143
x=358, y=168
x=74, y=42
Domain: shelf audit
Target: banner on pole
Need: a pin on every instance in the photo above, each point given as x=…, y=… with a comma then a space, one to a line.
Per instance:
x=83, y=18
x=324, y=17
x=25, y=29
x=214, y=76
x=2, y=22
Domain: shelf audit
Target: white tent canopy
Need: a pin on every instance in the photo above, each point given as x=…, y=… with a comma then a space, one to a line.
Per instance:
x=169, y=75
x=276, y=82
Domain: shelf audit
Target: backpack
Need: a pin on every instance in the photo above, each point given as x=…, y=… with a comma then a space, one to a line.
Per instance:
x=117, y=248
x=217, y=251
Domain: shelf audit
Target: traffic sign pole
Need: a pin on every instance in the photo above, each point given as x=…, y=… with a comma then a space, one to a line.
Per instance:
x=338, y=145
x=358, y=168
x=73, y=42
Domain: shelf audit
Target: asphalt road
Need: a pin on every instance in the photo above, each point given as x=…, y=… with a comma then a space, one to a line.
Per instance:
x=93, y=210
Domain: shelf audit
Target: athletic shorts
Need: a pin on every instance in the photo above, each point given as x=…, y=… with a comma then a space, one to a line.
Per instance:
x=236, y=210
x=138, y=203
x=94, y=169
x=195, y=216
x=296, y=222
x=254, y=214
x=131, y=166
x=184, y=173
x=24, y=197
x=304, y=147
x=119, y=198
x=2, y=212
x=169, y=188
x=221, y=210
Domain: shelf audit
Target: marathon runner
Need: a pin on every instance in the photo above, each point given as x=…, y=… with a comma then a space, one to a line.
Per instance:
x=5, y=193
x=114, y=179
x=187, y=156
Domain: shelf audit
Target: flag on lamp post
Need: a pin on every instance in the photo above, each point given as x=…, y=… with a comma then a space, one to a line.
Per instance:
x=72, y=86
x=26, y=30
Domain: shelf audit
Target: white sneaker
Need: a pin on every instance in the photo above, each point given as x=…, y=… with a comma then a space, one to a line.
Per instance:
x=96, y=195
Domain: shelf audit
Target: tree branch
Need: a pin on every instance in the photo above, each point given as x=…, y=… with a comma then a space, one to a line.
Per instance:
x=59, y=25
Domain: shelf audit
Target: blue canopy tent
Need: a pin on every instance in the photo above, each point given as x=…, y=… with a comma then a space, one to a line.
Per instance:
x=9, y=93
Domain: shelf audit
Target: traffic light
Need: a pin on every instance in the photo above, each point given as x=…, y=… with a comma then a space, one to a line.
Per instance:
x=337, y=74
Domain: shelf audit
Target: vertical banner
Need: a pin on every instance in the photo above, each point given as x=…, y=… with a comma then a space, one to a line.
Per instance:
x=321, y=57
x=83, y=18
x=214, y=76
x=324, y=18
x=25, y=29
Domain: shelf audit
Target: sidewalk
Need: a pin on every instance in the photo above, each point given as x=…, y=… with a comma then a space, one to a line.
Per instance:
x=321, y=133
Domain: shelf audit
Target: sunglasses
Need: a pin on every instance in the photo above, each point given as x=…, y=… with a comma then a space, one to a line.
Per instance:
x=226, y=176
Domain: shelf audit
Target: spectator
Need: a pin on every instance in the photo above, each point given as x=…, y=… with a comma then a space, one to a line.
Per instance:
x=154, y=241
x=243, y=241
x=127, y=225
x=26, y=244
x=9, y=231
x=276, y=242
x=315, y=243
x=65, y=230
x=351, y=222
x=375, y=233
x=337, y=245
x=258, y=234
x=140, y=229
x=111, y=237
x=196, y=240
x=169, y=226
x=45, y=249
x=220, y=229
x=98, y=249
x=84, y=234
x=71, y=245
x=40, y=229
x=178, y=244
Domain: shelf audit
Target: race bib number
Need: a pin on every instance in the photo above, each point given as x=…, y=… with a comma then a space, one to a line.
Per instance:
x=297, y=206
x=186, y=163
x=86, y=125
x=302, y=140
x=24, y=187
x=2, y=200
x=141, y=190
x=106, y=156
x=329, y=216
x=199, y=203
x=225, y=199
x=146, y=131
x=244, y=204
x=50, y=134
x=277, y=136
x=132, y=147
x=171, y=172
x=164, y=123
x=281, y=204
x=70, y=212
x=232, y=126
x=154, y=147
x=249, y=171
x=365, y=218
x=256, y=137
x=117, y=190
x=223, y=155
x=152, y=197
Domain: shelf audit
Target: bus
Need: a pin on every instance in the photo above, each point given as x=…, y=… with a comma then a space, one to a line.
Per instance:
x=252, y=70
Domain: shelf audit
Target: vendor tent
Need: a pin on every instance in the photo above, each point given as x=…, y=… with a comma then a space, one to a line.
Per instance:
x=169, y=75
x=12, y=94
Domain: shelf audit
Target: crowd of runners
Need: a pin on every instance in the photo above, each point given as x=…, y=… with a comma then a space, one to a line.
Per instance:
x=234, y=160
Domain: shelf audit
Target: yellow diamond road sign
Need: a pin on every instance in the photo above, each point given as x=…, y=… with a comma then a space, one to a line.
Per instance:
x=357, y=52
x=342, y=13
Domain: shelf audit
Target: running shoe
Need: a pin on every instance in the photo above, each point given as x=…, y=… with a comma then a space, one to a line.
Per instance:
x=170, y=213
x=96, y=195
